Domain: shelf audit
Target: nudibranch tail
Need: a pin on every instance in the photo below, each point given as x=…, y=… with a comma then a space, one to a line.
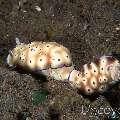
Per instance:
x=96, y=76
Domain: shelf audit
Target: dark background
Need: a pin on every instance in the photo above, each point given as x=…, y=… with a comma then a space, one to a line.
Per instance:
x=89, y=28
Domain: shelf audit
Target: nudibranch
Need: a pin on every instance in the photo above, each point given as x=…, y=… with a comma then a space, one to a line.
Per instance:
x=54, y=60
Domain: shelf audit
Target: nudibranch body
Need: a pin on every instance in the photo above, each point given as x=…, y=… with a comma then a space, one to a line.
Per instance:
x=49, y=58
x=54, y=60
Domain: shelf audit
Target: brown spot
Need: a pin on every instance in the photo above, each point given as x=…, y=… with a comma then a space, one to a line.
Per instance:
x=97, y=79
x=88, y=89
x=97, y=62
x=93, y=82
x=100, y=79
x=81, y=69
x=89, y=66
x=58, y=59
x=102, y=68
x=67, y=56
x=31, y=49
x=111, y=60
x=48, y=59
x=88, y=81
x=40, y=59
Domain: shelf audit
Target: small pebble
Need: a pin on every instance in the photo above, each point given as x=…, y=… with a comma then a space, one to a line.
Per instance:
x=117, y=28
x=28, y=118
x=38, y=8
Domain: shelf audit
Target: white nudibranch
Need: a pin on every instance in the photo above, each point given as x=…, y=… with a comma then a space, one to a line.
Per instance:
x=54, y=60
